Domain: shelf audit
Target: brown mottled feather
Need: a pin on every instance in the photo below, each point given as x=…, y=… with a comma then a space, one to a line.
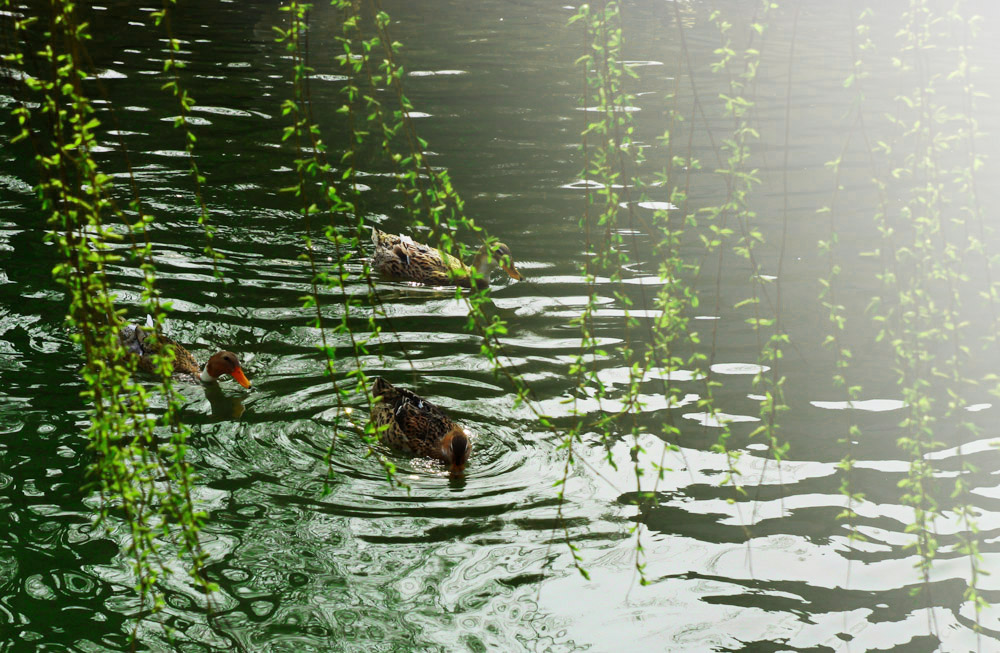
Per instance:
x=410, y=423
x=400, y=257
x=139, y=341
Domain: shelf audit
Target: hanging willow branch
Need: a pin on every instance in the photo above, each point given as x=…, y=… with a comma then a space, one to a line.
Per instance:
x=141, y=481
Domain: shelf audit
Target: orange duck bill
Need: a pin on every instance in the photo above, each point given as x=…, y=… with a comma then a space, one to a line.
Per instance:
x=240, y=377
x=512, y=272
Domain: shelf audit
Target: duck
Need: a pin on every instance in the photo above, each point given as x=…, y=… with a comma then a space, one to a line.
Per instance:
x=134, y=338
x=400, y=257
x=414, y=425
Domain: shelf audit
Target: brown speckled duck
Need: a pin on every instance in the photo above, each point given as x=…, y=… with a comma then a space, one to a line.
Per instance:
x=400, y=257
x=417, y=426
x=135, y=339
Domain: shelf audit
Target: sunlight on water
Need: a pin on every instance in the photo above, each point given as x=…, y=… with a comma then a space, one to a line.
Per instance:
x=873, y=405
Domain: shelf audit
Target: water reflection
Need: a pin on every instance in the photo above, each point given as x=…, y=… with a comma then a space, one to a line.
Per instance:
x=224, y=407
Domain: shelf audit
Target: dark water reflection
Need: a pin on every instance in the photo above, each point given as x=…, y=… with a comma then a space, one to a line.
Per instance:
x=310, y=563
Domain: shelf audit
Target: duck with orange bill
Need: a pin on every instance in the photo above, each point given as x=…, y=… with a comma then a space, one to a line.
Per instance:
x=136, y=339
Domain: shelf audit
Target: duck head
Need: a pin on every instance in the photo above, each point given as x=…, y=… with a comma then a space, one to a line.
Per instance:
x=499, y=254
x=455, y=450
x=224, y=362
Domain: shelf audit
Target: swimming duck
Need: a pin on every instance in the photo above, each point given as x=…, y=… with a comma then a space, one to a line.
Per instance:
x=401, y=257
x=134, y=339
x=417, y=426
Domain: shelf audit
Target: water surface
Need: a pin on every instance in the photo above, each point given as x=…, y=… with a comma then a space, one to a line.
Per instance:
x=306, y=562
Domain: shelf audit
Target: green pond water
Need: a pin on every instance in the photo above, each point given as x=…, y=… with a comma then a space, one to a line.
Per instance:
x=305, y=562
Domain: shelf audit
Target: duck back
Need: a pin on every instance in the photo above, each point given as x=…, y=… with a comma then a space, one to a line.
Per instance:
x=137, y=340
x=409, y=422
x=401, y=257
